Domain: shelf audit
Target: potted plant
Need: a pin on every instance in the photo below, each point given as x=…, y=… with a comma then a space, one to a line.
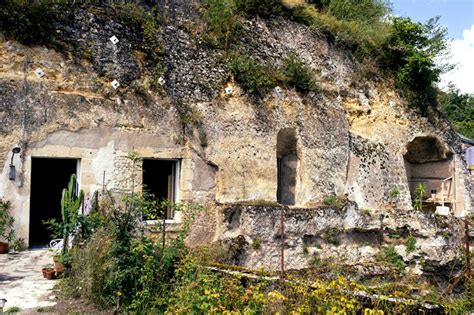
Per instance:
x=58, y=265
x=6, y=226
x=17, y=245
x=48, y=271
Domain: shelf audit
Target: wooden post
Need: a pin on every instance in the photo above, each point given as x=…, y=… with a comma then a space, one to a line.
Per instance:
x=468, y=260
x=282, y=245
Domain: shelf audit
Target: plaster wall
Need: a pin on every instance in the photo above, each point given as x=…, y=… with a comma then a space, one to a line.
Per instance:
x=103, y=165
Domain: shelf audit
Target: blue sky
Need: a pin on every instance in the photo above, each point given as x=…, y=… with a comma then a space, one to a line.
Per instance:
x=458, y=17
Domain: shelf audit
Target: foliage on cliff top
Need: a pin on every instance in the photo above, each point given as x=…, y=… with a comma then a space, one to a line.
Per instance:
x=402, y=48
x=459, y=108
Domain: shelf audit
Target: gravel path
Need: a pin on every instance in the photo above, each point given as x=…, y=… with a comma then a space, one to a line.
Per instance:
x=22, y=283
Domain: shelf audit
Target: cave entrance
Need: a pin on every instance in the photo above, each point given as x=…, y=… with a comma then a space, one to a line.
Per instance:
x=160, y=180
x=287, y=164
x=49, y=176
x=430, y=163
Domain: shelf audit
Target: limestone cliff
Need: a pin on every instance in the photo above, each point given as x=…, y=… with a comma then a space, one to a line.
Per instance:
x=351, y=137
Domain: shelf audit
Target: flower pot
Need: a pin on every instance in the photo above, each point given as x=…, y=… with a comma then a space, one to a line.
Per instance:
x=58, y=267
x=48, y=273
x=3, y=248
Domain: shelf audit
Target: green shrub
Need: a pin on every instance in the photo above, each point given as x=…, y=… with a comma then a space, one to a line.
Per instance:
x=459, y=108
x=122, y=266
x=6, y=221
x=410, y=51
x=391, y=256
x=220, y=16
x=394, y=193
x=298, y=75
x=255, y=78
x=334, y=201
x=420, y=192
x=410, y=244
x=262, y=8
x=12, y=310
x=256, y=244
x=31, y=23
x=366, y=11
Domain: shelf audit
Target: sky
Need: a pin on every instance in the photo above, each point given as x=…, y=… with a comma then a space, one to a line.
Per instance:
x=458, y=17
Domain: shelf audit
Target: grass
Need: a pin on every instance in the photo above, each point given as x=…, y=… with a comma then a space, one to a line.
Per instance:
x=410, y=244
x=334, y=201
x=12, y=310
x=391, y=256
x=46, y=309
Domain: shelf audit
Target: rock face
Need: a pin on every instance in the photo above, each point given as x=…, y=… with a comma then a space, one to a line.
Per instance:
x=347, y=236
x=351, y=139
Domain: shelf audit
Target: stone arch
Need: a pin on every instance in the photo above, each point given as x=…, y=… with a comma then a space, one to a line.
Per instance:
x=287, y=164
x=429, y=162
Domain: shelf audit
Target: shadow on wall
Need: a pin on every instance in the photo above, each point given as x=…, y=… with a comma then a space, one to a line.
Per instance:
x=287, y=164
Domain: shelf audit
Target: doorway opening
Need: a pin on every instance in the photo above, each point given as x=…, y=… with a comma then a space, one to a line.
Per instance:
x=160, y=180
x=49, y=176
x=287, y=163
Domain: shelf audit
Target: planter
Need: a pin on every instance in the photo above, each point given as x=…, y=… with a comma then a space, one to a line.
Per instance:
x=59, y=267
x=4, y=248
x=48, y=273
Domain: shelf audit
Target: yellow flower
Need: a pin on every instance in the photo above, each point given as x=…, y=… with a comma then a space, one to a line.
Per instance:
x=276, y=296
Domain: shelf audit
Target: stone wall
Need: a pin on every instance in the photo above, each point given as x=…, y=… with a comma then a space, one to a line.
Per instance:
x=346, y=236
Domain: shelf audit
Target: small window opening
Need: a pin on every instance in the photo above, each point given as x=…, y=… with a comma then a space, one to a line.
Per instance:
x=160, y=181
x=287, y=162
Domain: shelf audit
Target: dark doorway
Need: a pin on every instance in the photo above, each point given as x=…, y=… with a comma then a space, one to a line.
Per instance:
x=159, y=179
x=49, y=177
x=287, y=163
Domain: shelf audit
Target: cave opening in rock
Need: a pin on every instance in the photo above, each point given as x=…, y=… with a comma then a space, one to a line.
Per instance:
x=160, y=180
x=287, y=163
x=49, y=176
x=430, y=163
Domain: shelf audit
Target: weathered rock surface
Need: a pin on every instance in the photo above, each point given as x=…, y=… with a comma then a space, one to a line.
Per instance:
x=351, y=137
x=347, y=236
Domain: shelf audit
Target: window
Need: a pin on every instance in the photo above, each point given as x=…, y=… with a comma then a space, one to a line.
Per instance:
x=160, y=180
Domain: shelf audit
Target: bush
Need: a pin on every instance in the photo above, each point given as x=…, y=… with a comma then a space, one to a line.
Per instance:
x=31, y=23
x=262, y=8
x=459, y=108
x=254, y=77
x=410, y=244
x=391, y=256
x=366, y=11
x=410, y=51
x=6, y=222
x=220, y=17
x=298, y=75
x=122, y=266
x=334, y=201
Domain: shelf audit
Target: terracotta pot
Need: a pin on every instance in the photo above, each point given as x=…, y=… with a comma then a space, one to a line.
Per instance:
x=48, y=273
x=3, y=248
x=58, y=267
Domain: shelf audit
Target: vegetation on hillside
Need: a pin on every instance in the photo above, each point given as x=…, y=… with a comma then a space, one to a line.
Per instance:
x=459, y=108
x=401, y=48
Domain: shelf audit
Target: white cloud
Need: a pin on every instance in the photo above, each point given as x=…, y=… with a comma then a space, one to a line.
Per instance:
x=462, y=55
